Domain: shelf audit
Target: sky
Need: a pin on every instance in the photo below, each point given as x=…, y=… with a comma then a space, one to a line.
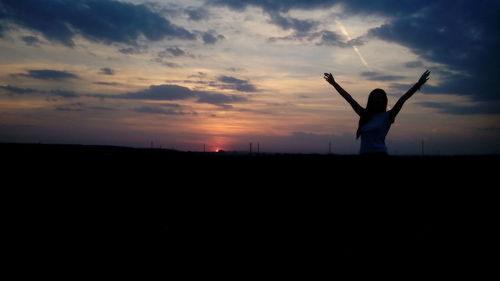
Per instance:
x=220, y=74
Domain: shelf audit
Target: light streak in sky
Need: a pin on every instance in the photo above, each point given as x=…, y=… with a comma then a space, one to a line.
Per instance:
x=346, y=34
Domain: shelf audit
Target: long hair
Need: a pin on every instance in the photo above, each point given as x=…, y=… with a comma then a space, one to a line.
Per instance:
x=377, y=102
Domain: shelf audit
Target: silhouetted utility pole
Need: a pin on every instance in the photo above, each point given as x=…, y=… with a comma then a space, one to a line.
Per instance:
x=250, y=147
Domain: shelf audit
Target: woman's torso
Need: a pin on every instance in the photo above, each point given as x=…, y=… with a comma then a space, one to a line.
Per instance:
x=373, y=133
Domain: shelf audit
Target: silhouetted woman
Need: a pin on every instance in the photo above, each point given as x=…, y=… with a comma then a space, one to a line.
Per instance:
x=374, y=120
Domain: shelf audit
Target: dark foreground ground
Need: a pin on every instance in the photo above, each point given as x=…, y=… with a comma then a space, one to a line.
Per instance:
x=223, y=214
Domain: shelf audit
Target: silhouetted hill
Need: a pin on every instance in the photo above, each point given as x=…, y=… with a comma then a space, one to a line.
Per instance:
x=223, y=207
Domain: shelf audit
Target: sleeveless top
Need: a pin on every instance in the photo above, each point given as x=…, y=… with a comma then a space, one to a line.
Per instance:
x=373, y=133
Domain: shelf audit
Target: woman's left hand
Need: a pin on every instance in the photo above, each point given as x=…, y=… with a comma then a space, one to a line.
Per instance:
x=424, y=78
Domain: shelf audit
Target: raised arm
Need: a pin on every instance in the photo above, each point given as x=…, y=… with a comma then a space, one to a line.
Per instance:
x=399, y=104
x=354, y=104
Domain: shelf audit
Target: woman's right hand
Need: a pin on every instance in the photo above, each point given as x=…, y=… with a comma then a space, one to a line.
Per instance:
x=329, y=78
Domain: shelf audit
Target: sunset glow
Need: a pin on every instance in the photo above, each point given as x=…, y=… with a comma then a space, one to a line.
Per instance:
x=221, y=73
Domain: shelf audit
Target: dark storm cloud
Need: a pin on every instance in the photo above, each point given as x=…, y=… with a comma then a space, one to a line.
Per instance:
x=461, y=35
x=377, y=76
x=104, y=21
x=47, y=74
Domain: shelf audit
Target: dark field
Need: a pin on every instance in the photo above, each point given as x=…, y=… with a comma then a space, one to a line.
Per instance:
x=199, y=212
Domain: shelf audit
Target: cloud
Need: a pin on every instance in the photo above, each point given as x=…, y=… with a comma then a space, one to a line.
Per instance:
x=223, y=82
x=107, y=83
x=211, y=37
x=160, y=92
x=414, y=64
x=64, y=93
x=197, y=14
x=273, y=6
x=166, y=92
x=107, y=71
x=321, y=38
x=170, y=52
x=30, y=91
x=199, y=75
x=377, y=76
x=171, y=105
x=47, y=74
x=476, y=108
x=20, y=91
x=219, y=99
x=235, y=69
x=32, y=41
x=103, y=21
x=79, y=106
x=330, y=38
x=163, y=62
x=404, y=87
x=164, y=111
x=131, y=50
x=286, y=22
x=169, y=92
x=464, y=39
x=461, y=36
x=229, y=82
x=175, y=51
x=277, y=13
x=475, y=88
x=393, y=8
